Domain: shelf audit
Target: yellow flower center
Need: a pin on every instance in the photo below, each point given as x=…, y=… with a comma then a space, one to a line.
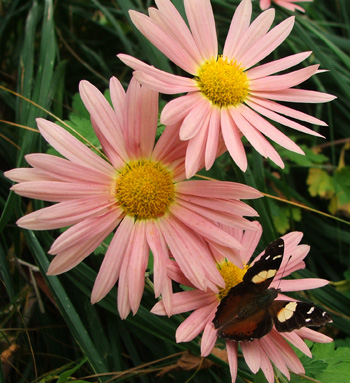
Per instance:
x=232, y=276
x=145, y=189
x=223, y=82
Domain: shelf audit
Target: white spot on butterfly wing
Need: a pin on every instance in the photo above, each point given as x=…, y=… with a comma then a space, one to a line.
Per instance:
x=311, y=310
x=287, y=311
x=263, y=275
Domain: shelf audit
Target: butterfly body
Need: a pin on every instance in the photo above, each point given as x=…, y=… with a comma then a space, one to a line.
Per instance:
x=250, y=310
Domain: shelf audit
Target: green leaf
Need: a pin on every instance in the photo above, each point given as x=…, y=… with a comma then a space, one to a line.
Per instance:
x=320, y=183
x=342, y=185
x=65, y=375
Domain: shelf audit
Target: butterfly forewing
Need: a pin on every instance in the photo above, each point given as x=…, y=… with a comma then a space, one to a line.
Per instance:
x=264, y=270
x=289, y=315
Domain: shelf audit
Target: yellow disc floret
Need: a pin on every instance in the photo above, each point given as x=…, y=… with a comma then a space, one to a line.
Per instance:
x=232, y=276
x=223, y=82
x=145, y=189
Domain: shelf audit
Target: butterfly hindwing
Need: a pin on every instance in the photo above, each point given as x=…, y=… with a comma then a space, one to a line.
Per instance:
x=290, y=315
x=249, y=328
x=264, y=270
x=231, y=304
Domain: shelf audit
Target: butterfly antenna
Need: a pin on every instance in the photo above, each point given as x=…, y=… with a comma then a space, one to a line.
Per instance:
x=284, y=270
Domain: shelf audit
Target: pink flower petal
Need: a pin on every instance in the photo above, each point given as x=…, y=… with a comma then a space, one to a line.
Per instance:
x=239, y=25
x=72, y=148
x=257, y=29
x=286, y=352
x=167, y=79
x=302, y=284
x=59, y=191
x=84, y=230
x=266, y=366
x=284, y=81
x=209, y=337
x=231, y=347
x=252, y=354
x=257, y=140
x=169, y=19
x=273, y=353
x=68, y=171
x=187, y=301
x=215, y=215
x=105, y=123
x=117, y=93
x=28, y=174
x=268, y=129
x=276, y=65
x=191, y=253
x=169, y=149
x=267, y=43
x=219, y=189
x=92, y=230
x=314, y=336
x=296, y=95
x=175, y=273
x=112, y=261
x=264, y=4
x=123, y=286
x=213, y=138
x=232, y=207
x=254, y=104
x=196, y=149
x=177, y=109
x=232, y=255
x=201, y=20
x=197, y=119
x=138, y=258
x=250, y=241
x=64, y=213
x=194, y=324
x=296, y=341
x=204, y=227
x=232, y=139
x=282, y=109
x=160, y=254
x=170, y=47
x=141, y=118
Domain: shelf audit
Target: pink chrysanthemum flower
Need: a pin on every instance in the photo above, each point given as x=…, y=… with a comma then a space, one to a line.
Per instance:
x=228, y=96
x=288, y=4
x=259, y=353
x=141, y=191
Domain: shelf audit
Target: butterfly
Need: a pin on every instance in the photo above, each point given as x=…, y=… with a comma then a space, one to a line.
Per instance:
x=250, y=310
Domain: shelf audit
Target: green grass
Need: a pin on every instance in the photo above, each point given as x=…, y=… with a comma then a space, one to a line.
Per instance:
x=49, y=330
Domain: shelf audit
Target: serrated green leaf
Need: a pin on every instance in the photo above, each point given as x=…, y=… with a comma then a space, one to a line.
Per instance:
x=320, y=183
x=342, y=185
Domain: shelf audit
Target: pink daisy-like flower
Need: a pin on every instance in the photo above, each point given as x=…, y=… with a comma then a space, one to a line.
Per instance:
x=228, y=96
x=259, y=353
x=141, y=191
x=288, y=4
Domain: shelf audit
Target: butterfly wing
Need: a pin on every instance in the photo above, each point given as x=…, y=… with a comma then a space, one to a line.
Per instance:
x=243, y=313
x=254, y=326
x=289, y=315
x=264, y=270
x=230, y=305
